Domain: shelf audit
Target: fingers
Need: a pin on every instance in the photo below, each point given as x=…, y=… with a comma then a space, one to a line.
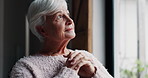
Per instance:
x=76, y=60
x=67, y=55
x=81, y=63
x=78, y=64
x=74, y=56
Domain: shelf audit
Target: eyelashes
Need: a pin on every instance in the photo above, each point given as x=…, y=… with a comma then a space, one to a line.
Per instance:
x=59, y=16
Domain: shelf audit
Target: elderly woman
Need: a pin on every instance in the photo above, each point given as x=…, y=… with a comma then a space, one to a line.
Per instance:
x=49, y=20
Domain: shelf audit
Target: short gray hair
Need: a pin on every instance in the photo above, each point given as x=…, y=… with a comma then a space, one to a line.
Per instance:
x=37, y=9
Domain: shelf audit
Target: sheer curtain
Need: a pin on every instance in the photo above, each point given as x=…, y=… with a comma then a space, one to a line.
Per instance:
x=146, y=25
x=130, y=35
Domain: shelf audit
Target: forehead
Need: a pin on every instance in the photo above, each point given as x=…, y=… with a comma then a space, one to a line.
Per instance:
x=62, y=11
x=58, y=12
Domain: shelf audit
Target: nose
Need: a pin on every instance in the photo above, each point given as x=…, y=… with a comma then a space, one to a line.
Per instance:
x=69, y=21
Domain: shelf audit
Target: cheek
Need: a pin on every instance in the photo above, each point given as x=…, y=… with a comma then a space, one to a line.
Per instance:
x=59, y=26
x=58, y=29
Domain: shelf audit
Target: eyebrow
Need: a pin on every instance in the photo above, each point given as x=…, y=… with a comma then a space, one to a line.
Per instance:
x=62, y=12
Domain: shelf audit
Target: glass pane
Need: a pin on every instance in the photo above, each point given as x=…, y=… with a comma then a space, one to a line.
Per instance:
x=146, y=27
x=128, y=36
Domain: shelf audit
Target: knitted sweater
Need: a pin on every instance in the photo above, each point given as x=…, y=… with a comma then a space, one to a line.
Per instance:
x=39, y=66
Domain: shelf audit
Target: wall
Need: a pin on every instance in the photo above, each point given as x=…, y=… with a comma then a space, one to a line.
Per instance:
x=1, y=38
x=12, y=34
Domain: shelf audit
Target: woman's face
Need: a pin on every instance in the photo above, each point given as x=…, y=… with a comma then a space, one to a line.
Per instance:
x=60, y=26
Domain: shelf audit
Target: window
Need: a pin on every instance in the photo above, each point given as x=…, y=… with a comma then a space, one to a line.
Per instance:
x=146, y=25
x=130, y=37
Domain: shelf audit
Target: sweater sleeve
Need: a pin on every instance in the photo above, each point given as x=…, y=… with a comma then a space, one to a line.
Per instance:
x=66, y=73
x=101, y=71
x=20, y=71
x=25, y=69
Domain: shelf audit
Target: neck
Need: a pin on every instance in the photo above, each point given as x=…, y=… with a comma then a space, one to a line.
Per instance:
x=54, y=48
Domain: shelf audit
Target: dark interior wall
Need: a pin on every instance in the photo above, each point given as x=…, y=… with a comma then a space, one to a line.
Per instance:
x=13, y=33
x=1, y=37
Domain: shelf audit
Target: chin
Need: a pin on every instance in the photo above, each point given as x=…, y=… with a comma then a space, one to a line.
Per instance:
x=71, y=36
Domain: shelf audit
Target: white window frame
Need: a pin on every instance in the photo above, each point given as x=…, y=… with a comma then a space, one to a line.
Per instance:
x=26, y=37
x=116, y=39
x=98, y=30
x=141, y=24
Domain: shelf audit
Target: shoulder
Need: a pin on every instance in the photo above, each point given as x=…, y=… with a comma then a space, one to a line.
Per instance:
x=24, y=62
x=84, y=52
x=20, y=69
x=24, y=67
x=26, y=59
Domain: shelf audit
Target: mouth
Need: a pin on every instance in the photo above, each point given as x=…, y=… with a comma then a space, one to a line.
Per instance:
x=69, y=29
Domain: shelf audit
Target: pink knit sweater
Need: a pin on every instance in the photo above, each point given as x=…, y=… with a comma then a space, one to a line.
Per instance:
x=39, y=66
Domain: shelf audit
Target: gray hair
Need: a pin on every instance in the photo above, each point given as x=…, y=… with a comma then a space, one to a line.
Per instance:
x=38, y=9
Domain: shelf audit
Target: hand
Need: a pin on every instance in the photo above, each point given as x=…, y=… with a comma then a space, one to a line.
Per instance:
x=80, y=63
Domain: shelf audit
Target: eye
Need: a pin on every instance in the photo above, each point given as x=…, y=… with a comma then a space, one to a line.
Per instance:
x=59, y=16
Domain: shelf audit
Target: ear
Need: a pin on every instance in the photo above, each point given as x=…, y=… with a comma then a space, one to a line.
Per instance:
x=41, y=31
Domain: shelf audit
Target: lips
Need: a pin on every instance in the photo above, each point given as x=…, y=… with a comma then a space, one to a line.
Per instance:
x=69, y=29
